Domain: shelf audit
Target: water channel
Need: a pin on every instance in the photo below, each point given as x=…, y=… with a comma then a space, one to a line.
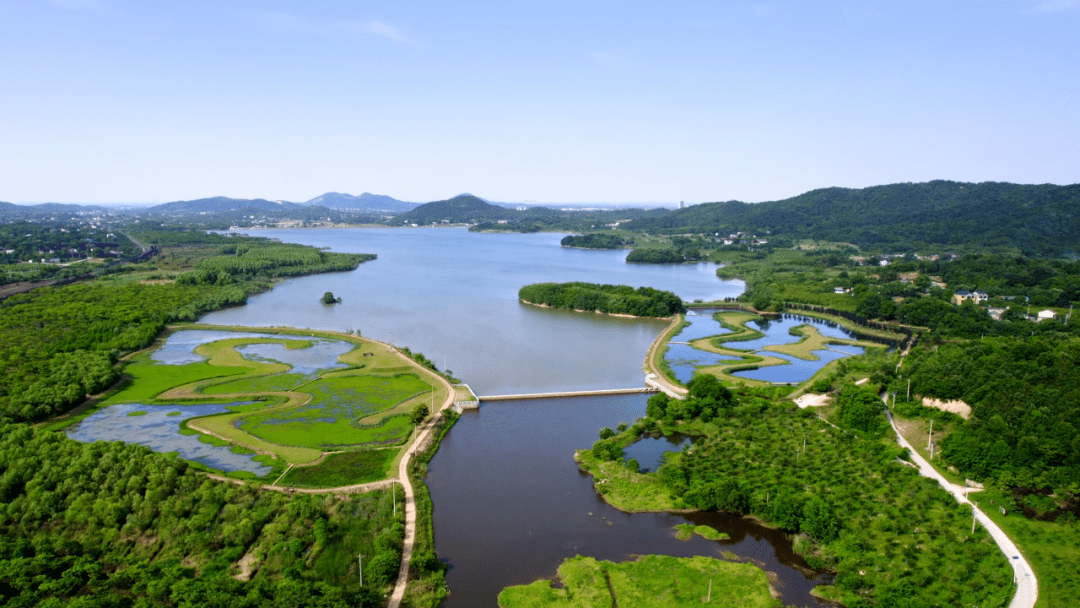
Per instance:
x=510, y=503
x=684, y=359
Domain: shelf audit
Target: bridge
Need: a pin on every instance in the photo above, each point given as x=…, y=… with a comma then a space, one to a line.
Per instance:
x=610, y=391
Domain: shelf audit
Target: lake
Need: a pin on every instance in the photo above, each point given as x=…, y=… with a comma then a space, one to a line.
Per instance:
x=452, y=295
x=509, y=502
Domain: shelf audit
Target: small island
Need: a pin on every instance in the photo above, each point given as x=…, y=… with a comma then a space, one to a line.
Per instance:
x=596, y=240
x=664, y=255
x=610, y=299
x=328, y=298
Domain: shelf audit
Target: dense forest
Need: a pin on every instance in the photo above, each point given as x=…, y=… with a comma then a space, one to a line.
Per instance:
x=611, y=299
x=58, y=344
x=1025, y=398
x=596, y=240
x=893, y=538
x=1040, y=220
x=655, y=255
x=114, y=524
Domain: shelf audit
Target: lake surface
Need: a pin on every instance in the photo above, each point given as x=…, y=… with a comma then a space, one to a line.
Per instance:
x=649, y=451
x=452, y=295
x=159, y=430
x=510, y=504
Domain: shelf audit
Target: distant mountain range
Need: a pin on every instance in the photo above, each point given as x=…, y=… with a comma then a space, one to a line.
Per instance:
x=219, y=204
x=364, y=202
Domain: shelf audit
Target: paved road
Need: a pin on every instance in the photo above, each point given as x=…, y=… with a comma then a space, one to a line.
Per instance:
x=1027, y=588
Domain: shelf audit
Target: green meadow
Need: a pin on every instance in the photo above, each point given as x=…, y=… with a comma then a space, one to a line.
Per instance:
x=295, y=418
x=651, y=581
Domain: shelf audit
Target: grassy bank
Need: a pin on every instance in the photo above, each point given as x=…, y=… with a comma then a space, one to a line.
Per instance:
x=651, y=580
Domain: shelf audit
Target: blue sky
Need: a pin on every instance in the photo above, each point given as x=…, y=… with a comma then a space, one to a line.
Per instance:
x=124, y=101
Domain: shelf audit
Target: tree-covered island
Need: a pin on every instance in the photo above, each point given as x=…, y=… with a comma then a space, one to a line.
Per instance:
x=610, y=299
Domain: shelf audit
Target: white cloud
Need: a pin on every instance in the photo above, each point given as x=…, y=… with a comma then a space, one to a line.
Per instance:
x=387, y=31
x=1056, y=6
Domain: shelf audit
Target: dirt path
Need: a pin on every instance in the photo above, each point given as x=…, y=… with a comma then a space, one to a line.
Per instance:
x=410, y=504
x=1027, y=587
x=359, y=488
x=653, y=376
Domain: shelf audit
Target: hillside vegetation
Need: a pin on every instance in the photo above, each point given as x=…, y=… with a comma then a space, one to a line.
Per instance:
x=611, y=299
x=1036, y=219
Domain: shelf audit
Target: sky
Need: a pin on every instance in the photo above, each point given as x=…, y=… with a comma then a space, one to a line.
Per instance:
x=547, y=101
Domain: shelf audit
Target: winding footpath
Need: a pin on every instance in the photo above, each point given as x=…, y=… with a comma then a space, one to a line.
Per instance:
x=410, y=502
x=1027, y=587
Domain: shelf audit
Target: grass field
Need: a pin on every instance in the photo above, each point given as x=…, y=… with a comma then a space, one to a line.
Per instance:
x=149, y=378
x=340, y=409
x=651, y=581
x=687, y=531
x=343, y=469
x=294, y=417
x=257, y=384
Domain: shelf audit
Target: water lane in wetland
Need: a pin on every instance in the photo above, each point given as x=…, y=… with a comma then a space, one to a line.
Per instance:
x=510, y=504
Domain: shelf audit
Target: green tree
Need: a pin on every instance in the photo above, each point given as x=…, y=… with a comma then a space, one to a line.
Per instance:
x=419, y=413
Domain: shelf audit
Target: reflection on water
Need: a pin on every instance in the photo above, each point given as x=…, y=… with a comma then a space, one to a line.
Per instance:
x=649, y=451
x=179, y=347
x=321, y=355
x=510, y=504
x=452, y=295
x=684, y=359
x=159, y=430
x=797, y=370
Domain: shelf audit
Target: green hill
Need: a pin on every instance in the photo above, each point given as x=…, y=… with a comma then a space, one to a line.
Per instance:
x=1036, y=219
x=463, y=209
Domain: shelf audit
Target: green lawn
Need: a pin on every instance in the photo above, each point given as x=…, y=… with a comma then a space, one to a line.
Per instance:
x=258, y=384
x=150, y=378
x=346, y=468
x=651, y=581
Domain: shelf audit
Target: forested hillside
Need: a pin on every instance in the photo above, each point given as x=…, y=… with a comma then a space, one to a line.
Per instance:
x=1036, y=219
x=465, y=209
x=1025, y=399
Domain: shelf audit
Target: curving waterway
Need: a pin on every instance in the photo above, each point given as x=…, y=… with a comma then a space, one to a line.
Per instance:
x=510, y=503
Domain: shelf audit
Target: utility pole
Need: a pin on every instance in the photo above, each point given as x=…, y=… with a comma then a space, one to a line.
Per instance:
x=361, y=562
x=709, y=598
x=908, y=390
x=393, y=493
x=973, y=511
x=930, y=437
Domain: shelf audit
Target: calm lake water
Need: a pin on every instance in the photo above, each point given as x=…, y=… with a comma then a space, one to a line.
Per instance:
x=452, y=295
x=510, y=503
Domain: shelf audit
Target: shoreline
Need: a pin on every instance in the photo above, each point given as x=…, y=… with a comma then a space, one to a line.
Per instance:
x=599, y=312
